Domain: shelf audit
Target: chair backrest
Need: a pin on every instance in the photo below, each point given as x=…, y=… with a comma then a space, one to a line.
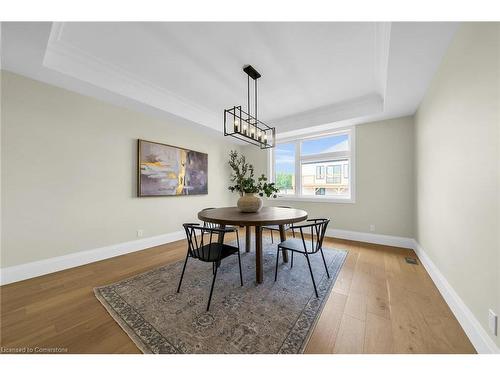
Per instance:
x=206, y=224
x=203, y=241
x=316, y=229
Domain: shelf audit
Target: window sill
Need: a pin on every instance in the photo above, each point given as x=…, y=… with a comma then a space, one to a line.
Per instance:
x=314, y=199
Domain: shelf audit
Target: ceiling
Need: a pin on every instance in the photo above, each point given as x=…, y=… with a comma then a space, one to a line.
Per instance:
x=314, y=75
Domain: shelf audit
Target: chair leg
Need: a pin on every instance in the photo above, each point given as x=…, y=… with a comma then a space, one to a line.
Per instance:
x=277, y=260
x=239, y=263
x=312, y=276
x=291, y=264
x=272, y=239
x=324, y=262
x=212, y=289
x=182, y=274
x=293, y=233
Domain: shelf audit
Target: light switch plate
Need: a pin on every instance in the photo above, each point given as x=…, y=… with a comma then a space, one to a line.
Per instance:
x=493, y=322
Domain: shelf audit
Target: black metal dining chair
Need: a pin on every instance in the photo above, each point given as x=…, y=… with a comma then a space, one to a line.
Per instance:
x=207, y=224
x=204, y=245
x=305, y=246
x=276, y=228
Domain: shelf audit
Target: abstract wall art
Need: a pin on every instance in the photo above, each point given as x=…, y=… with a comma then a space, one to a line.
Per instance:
x=165, y=170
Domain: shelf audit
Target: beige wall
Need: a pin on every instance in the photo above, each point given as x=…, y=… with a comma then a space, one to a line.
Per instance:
x=457, y=132
x=69, y=172
x=384, y=181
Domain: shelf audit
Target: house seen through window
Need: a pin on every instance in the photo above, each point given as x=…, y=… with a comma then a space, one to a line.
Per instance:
x=315, y=167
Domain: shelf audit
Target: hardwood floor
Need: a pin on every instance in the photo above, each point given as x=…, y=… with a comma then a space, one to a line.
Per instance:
x=379, y=304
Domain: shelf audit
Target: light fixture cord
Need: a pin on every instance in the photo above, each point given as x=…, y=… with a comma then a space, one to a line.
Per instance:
x=256, y=102
x=248, y=94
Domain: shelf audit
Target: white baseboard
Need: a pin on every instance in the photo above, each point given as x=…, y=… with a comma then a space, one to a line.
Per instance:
x=477, y=334
x=474, y=330
x=42, y=267
x=380, y=239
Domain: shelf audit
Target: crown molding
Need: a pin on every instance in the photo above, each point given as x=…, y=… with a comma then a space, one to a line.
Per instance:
x=370, y=104
x=382, y=49
x=65, y=58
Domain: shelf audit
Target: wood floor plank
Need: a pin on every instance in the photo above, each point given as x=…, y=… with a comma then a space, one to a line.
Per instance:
x=344, y=279
x=322, y=340
x=351, y=336
x=378, y=335
x=356, y=305
x=378, y=304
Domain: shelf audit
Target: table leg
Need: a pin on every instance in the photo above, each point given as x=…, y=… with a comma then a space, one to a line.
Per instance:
x=283, y=238
x=258, y=255
x=248, y=239
x=220, y=238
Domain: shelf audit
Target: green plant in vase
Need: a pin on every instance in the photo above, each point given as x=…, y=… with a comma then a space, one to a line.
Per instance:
x=244, y=182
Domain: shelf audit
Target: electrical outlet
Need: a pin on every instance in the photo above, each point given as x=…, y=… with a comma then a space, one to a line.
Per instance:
x=493, y=322
x=372, y=227
x=140, y=232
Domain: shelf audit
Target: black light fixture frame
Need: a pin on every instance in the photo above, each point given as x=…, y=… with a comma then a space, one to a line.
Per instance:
x=246, y=127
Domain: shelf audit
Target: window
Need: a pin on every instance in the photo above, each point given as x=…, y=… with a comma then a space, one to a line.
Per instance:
x=329, y=174
x=319, y=191
x=315, y=168
x=320, y=172
x=333, y=175
x=346, y=170
x=285, y=168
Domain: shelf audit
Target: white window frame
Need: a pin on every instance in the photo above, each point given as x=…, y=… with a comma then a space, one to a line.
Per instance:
x=321, y=176
x=351, y=155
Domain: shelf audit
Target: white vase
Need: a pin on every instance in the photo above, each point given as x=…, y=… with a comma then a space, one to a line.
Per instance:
x=249, y=202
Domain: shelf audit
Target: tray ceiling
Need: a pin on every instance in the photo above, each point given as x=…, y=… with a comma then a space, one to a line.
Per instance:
x=313, y=74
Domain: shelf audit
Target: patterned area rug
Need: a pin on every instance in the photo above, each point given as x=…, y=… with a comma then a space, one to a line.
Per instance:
x=266, y=318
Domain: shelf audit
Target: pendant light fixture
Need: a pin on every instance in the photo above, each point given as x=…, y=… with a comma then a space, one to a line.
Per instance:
x=247, y=127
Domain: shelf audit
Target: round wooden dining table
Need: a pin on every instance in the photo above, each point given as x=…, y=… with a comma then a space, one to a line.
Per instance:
x=266, y=216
